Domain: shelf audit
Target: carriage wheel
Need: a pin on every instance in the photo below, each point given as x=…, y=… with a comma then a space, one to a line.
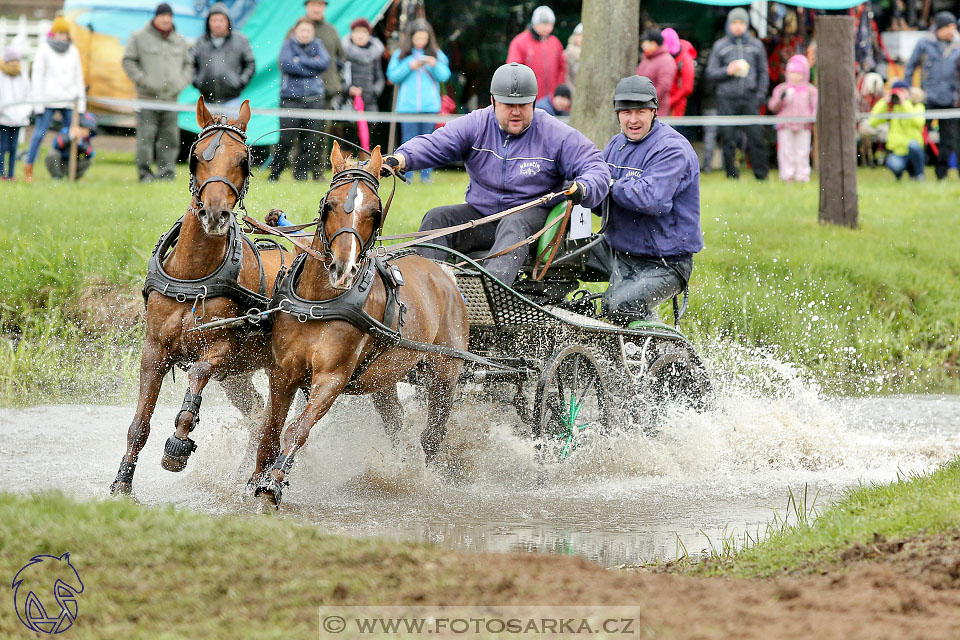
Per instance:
x=676, y=377
x=570, y=400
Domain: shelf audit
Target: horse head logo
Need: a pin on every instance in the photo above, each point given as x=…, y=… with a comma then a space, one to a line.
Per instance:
x=42, y=576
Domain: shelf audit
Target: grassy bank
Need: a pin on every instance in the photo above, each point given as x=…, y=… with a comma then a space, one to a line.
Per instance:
x=875, y=309
x=925, y=504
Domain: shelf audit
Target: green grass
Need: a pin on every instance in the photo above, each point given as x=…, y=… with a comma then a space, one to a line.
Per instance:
x=920, y=504
x=861, y=311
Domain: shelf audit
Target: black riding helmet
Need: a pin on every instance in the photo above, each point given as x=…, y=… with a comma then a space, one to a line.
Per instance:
x=635, y=92
x=514, y=83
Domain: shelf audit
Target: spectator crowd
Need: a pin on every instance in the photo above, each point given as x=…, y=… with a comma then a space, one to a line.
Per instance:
x=738, y=75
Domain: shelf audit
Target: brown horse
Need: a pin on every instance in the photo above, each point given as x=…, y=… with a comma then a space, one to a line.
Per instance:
x=332, y=357
x=209, y=245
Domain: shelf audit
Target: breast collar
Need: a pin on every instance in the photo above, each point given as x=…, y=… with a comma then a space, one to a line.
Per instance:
x=223, y=282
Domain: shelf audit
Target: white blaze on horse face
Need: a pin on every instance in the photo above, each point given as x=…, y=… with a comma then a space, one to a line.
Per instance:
x=354, y=249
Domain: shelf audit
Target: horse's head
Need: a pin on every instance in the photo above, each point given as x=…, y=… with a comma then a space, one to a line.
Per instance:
x=219, y=167
x=350, y=215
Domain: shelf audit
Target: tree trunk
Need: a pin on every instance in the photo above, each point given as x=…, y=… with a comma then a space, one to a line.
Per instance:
x=836, y=120
x=611, y=36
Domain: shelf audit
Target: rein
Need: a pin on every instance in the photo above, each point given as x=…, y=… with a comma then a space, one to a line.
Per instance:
x=216, y=130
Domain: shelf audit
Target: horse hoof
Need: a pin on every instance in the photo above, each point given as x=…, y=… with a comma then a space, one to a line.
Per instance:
x=265, y=504
x=121, y=488
x=176, y=452
x=269, y=491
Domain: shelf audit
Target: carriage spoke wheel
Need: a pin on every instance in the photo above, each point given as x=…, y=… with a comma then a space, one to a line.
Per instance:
x=570, y=400
x=675, y=378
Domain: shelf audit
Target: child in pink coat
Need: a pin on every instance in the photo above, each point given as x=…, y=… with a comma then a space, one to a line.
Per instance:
x=795, y=97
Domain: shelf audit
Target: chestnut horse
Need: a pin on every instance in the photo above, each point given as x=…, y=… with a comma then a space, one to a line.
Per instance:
x=332, y=357
x=209, y=241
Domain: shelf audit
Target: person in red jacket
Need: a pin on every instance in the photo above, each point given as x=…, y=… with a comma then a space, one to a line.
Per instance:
x=538, y=49
x=684, y=54
x=658, y=65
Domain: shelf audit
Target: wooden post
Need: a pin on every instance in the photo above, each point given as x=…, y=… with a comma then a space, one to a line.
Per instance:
x=836, y=120
x=74, y=123
x=609, y=53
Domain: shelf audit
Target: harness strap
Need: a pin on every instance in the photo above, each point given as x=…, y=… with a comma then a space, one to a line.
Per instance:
x=528, y=240
x=256, y=224
x=551, y=249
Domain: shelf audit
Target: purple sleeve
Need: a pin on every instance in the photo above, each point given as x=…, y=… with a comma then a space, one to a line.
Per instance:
x=450, y=143
x=652, y=193
x=582, y=161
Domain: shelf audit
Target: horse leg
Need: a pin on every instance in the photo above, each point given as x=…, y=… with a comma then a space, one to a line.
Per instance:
x=154, y=364
x=443, y=375
x=242, y=393
x=387, y=403
x=282, y=391
x=180, y=446
x=324, y=389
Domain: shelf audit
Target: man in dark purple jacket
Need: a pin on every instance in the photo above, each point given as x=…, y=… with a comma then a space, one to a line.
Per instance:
x=513, y=154
x=654, y=226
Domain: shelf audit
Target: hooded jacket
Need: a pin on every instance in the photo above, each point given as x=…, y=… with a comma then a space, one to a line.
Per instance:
x=544, y=56
x=15, y=88
x=938, y=69
x=795, y=99
x=506, y=170
x=159, y=66
x=222, y=72
x=655, y=197
x=302, y=67
x=57, y=78
x=661, y=68
x=366, y=69
x=729, y=48
x=683, y=85
x=418, y=89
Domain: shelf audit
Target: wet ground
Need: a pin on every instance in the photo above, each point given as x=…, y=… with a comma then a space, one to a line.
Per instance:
x=619, y=500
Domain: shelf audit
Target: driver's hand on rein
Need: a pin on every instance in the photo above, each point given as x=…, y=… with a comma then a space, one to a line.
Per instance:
x=392, y=164
x=574, y=190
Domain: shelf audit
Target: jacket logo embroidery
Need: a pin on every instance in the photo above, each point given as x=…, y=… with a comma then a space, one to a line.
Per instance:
x=529, y=168
x=635, y=173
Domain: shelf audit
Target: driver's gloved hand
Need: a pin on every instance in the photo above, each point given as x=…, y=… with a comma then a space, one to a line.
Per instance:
x=394, y=162
x=578, y=194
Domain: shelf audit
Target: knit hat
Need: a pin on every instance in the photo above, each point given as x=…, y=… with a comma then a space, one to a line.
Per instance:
x=739, y=14
x=163, y=8
x=901, y=84
x=89, y=121
x=361, y=22
x=799, y=64
x=11, y=53
x=671, y=41
x=653, y=35
x=543, y=15
x=943, y=19
x=578, y=30
x=60, y=25
x=563, y=91
x=219, y=7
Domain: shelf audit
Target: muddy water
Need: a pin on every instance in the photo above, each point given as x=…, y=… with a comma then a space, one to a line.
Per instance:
x=620, y=500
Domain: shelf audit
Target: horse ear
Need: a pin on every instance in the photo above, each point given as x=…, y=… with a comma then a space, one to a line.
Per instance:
x=244, y=116
x=337, y=163
x=203, y=114
x=376, y=161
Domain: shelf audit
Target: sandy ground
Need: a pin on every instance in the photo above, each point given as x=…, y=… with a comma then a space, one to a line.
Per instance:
x=896, y=589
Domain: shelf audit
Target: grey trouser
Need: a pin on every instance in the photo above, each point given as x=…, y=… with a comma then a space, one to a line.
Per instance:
x=638, y=284
x=59, y=168
x=492, y=237
x=158, y=138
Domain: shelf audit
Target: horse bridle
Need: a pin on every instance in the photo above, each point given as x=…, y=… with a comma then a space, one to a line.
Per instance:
x=216, y=130
x=356, y=177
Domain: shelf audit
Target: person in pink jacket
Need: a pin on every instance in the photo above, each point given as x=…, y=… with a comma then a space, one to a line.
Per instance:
x=658, y=65
x=795, y=97
x=540, y=50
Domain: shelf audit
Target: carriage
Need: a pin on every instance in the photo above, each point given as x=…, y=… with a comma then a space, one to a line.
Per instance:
x=541, y=347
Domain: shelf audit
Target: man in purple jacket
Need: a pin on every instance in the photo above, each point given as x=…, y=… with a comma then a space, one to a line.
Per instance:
x=654, y=226
x=513, y=153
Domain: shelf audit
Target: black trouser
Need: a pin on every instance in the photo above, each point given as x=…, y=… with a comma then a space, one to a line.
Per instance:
x=492, y=237
x=742, y=106
x=949, y=140
x=59, y=167
x=638, y=284
x=307, y=155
